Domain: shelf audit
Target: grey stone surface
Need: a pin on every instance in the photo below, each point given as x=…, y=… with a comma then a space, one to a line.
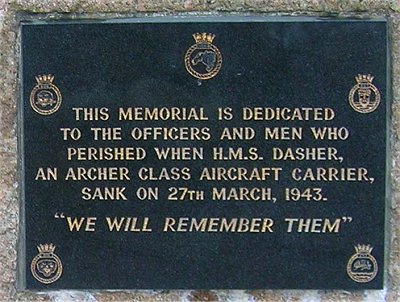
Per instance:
x=9, y=15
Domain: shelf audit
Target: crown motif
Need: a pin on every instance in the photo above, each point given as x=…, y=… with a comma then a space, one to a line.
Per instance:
x=47, y=78
x=46, y=248
x=363, y=248
x=362, y=78
x=203, y=37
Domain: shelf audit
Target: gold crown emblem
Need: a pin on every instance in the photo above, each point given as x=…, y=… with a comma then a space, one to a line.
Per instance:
x=203, y=37
x=47, y=78
x=362, y=78
x=363, y=248
x=46, y=248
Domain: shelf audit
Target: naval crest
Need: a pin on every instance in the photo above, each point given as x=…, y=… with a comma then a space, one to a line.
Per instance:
x=203, y=60
x=362, y=266
x=364, y=97
x=46, y=267
x=45, y=97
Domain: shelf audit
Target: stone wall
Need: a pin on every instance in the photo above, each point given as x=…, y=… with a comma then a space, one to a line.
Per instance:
x=13, y=10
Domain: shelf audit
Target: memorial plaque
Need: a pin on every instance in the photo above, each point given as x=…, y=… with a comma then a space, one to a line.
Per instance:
x=203, y=153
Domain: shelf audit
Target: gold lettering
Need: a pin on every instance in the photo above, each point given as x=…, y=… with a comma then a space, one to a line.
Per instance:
x=97, y=173
x=283, y=133
x=163, y=114
x=46, y=174
x=313, y=225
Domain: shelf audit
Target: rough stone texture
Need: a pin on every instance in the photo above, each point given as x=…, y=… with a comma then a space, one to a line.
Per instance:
x=10, y=10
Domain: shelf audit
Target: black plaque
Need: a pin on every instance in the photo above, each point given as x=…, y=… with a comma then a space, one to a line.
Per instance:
x=212, y=153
